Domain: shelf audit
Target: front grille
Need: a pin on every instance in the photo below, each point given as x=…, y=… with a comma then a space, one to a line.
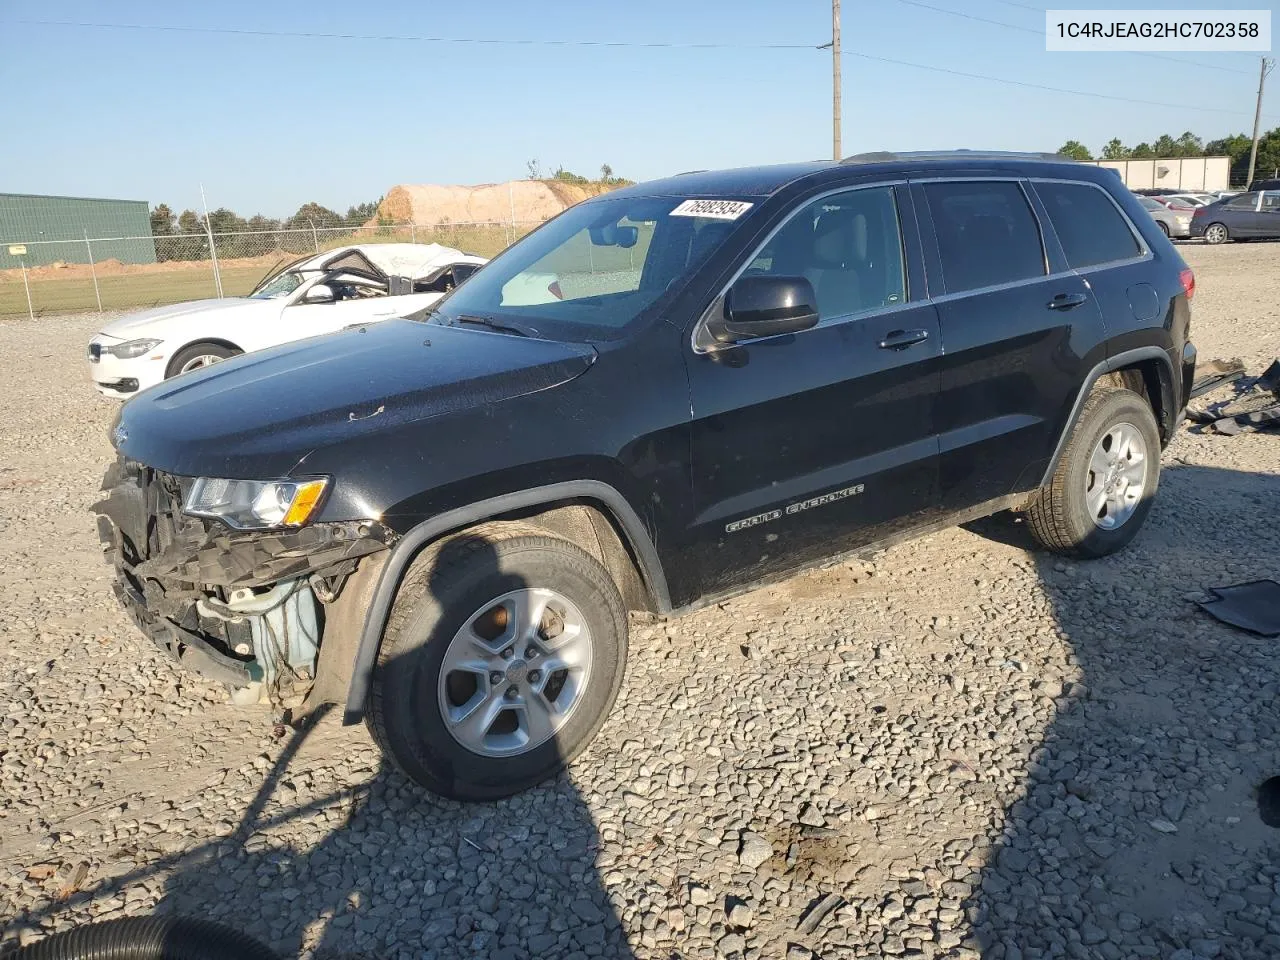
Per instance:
x=95, y=352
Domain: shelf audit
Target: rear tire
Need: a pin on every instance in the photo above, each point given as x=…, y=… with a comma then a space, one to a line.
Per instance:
x=1164, y=227
x=1216, y=233
x=1104, y=484
x=198, y=355
x=465, y=639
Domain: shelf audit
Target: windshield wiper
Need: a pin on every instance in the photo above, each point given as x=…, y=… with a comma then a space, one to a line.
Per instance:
x=496, y=325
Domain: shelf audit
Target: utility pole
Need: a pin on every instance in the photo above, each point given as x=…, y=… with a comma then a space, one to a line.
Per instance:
x=836, y=150
x=1267, y=65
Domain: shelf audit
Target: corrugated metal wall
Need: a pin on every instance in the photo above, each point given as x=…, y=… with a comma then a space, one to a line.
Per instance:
x=33, y=220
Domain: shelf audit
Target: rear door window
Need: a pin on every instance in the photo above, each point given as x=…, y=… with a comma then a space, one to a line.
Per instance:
x=986, y=232
x=1246, y=201
x=1089, y=226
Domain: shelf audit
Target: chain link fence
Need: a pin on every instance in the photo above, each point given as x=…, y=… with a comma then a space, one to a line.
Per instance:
x=123, y=273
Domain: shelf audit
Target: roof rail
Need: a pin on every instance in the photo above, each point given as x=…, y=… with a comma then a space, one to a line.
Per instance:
x=685, y=173
x=884, y=156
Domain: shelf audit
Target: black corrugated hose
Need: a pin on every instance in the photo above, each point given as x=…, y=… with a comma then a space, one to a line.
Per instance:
x=148, y=938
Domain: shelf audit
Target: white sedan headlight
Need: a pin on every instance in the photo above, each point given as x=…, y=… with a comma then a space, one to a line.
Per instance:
x=255, y=504
x=130, y=348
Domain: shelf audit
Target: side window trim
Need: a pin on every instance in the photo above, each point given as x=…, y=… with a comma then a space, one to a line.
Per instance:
x=1144, y=249
x=922, y=204
x=913, y=297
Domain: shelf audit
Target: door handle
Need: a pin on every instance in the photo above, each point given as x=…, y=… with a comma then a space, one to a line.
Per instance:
x=901, y=339
x=1065, y=301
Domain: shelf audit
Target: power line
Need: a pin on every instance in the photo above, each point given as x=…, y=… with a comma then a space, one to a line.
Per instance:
x=410, y=38
x=1039, y=86
x=314, y=35
x=969, y=16
x=1040, y=33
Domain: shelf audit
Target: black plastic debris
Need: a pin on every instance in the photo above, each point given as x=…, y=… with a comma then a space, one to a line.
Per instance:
x=1228, y=402
x=1213, y=374
x=1253, y=606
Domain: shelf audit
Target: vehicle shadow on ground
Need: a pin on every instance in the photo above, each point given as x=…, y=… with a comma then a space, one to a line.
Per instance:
x=403, y=873
x=385, y=869
x=1137, y=832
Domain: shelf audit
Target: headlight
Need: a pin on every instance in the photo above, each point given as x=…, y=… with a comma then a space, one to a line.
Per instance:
x=130, y=348
x=255, y=504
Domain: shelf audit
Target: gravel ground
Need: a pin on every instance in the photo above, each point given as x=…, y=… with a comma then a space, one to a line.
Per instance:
x=960, y=749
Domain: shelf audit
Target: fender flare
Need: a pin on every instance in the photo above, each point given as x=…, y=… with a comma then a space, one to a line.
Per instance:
x=408, y=547
x=1123, y=359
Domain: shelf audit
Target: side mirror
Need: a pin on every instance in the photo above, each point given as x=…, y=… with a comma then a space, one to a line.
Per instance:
x=320, y=293
x=765, y=307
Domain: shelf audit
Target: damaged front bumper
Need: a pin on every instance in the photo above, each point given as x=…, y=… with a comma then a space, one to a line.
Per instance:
x=245, y=608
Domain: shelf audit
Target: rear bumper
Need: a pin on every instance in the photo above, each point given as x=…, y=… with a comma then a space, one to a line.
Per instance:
x=1188, y=377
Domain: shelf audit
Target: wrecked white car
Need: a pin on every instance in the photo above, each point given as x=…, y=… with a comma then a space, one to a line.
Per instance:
x=319, y=293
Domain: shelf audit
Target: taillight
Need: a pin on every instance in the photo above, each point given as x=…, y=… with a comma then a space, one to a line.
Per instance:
x=1199, y=212
x=1188, y=279
x=553, y=288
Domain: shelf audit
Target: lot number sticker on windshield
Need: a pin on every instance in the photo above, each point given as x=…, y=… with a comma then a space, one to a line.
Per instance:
x=715, y=209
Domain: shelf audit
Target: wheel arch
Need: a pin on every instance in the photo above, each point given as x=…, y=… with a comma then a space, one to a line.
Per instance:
x=1145, y=370
x=590, y=513
x=169, y=370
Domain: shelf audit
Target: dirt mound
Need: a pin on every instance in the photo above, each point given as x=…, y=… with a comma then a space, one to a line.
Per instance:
x=525, y=201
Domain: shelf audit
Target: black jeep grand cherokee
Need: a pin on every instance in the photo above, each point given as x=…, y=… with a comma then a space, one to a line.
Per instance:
x=667, y=394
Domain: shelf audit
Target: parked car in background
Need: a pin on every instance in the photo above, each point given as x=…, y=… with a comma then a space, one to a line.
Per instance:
x=1250, y=216
x=319, y=293
x=1174, y=203
x=1156, y=192
x=442, y=524
x=1174, y=223
x=1191, y=200
x=1271, y=183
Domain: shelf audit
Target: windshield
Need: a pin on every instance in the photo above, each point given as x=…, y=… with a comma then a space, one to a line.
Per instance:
x=594, y=269
x=281, y=285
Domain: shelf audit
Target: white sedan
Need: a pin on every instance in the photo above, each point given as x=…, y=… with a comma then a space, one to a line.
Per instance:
x=320, y=293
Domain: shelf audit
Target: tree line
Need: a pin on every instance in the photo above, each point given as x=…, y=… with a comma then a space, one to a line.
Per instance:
x=259, y=234
x=568, y=176
x=1236, y=147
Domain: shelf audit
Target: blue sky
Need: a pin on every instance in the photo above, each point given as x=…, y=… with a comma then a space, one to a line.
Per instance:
x=267, y=123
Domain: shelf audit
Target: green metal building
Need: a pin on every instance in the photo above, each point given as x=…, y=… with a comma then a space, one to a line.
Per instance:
x=54, y=228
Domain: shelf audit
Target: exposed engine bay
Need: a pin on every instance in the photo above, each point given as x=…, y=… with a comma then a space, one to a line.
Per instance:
x=244, y=608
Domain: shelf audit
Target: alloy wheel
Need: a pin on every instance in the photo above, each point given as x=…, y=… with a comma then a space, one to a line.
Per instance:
x=1117, y=476
x=195, y=363
x=515, y=672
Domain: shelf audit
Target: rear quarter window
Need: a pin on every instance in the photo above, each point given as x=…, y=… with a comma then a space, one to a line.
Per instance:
x=1089, y=226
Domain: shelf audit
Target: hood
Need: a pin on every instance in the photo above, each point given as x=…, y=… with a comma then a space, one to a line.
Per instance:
x=135, y=324
x=258, y=414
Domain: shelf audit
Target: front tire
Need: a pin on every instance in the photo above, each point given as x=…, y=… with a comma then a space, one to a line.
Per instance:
x=1164, y=227
x=1105, y=482
x=198, y=355
x=501, y=659
x=1216, y=233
